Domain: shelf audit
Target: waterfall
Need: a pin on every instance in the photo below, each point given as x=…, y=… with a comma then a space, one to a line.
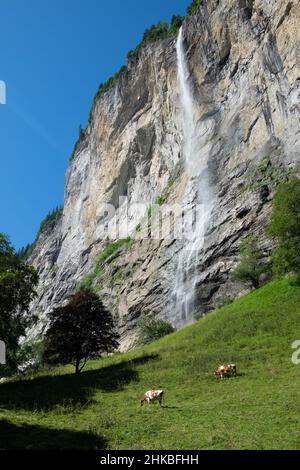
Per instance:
x=198, y=195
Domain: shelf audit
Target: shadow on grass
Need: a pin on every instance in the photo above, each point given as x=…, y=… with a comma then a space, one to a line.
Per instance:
x=27, y=436
x=166, y=407
x=69, y=390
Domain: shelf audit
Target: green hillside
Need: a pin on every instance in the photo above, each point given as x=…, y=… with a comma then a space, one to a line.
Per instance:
x=259, y=409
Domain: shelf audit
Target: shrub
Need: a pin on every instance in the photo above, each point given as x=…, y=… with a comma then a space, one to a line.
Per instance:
x=265, y=174
x=285, y=226
x=151, y=329
x=251, y=267
x=119, y=277
x=88, y=280
x=30, y=355
x=110, y=249
x=160, y=200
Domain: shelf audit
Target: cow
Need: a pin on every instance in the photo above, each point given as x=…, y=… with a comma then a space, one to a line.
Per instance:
x=152, y=396
x=226, y=370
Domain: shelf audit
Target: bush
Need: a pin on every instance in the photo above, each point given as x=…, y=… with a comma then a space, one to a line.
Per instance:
x=251, y=267
x=285, y=226
x=151, y=329
x=193, y=7
x=265, y=174
x=30, y=355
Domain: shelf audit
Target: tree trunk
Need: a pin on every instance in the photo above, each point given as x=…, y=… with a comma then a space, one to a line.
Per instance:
x=77, y=368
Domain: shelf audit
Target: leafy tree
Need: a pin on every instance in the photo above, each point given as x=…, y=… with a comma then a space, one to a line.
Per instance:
x=17, y=290
x=250, y=268
x=193, y=7
x=81, y=330
x=151, y=329
x=285, y=226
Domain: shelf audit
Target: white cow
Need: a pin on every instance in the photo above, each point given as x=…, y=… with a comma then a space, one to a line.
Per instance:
x=151, y=396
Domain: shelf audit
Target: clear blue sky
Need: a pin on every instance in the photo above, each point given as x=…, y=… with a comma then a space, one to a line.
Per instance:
x=54, y=54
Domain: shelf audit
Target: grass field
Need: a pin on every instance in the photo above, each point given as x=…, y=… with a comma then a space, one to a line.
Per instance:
x=259, y=409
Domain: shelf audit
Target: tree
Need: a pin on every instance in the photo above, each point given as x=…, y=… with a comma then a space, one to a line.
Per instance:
x=155, y=32
x=81, y=330
x=250, y=267
x=285, y=226
x=175, y=24
x=151, y=329
x=193, y=7
x=17, y=290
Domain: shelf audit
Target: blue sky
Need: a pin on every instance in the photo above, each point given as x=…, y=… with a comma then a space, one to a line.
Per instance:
x=54, y=54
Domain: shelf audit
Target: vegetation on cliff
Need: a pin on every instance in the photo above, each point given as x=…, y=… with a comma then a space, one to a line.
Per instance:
x=110, y=249
x=285, y=227
x=48, y=223
x=194, y=6
x=158, y=31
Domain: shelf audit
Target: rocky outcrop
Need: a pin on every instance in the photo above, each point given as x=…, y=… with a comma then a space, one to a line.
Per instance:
x=244, y=62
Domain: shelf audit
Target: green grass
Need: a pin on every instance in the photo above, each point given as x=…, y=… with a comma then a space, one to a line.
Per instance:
x=259, y=409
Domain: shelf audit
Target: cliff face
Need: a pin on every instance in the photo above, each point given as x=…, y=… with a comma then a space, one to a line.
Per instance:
x=243, y=58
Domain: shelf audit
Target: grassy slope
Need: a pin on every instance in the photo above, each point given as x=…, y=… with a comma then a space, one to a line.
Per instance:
x=99, y=409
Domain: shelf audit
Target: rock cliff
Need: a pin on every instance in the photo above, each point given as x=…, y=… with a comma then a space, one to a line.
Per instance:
x=243, y=59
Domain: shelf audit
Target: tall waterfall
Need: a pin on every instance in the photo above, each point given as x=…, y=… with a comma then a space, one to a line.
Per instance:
x=198, y=195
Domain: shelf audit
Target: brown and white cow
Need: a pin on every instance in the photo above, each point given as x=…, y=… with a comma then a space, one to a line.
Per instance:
x=226, y=370
x=151, y=396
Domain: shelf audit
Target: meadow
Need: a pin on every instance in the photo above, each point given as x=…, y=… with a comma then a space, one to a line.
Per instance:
x=99, y=409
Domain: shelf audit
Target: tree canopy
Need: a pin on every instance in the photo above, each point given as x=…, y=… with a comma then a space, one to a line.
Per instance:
x=81, y=330
x=17, y=290
x=250, y=267
x=285, y=226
